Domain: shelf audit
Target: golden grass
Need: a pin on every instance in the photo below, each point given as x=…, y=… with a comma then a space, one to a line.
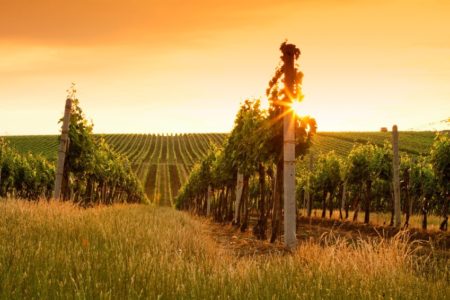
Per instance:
x=380, y=218
x=57, y=250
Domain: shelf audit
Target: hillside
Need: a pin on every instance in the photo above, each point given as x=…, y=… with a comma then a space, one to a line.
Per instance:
x=163, y=162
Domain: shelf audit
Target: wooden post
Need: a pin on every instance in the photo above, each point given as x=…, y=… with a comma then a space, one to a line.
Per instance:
x=1, y=163
x=308, y=200
x=396, y=178
x=239, y=187
x=290, y=53
x=62, y=149
x=208, y=204
x=343, y=199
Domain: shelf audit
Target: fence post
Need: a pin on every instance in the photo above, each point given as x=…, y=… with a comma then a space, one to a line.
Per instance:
x=308, y=189
x=239, y=186
x=290, y=53
x=62, y=149
x=396, y=179
x=208, y=204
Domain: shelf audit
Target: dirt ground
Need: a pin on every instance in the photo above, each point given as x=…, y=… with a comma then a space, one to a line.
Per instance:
x=244, y=244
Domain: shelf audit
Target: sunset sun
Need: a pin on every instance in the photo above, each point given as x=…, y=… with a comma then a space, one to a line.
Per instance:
x=296, y=107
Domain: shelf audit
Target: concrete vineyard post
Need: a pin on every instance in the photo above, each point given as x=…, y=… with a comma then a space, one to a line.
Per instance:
x=62, y=149
x=396, y=179
x=290, y=227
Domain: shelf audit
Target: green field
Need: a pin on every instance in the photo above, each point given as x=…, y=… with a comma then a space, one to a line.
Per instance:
x=60, y=251
x=412, y=142
x=163, y=162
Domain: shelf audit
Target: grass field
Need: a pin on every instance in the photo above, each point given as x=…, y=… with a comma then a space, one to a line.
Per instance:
x=134, y=251
x=382, y=219
x=163, y=162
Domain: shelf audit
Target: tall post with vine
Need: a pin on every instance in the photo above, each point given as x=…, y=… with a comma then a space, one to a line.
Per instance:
x=63, y=143
x=396, y=177
x=291, y=89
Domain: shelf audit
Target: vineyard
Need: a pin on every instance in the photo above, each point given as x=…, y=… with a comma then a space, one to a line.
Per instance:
x=163, y=162
x=411, y=142
x=273, y=188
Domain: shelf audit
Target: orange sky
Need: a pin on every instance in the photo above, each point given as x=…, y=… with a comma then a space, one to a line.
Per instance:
x=184, y=66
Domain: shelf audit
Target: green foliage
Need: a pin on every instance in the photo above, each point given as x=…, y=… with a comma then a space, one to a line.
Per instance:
x=142, y=151
x=359, y=164
x=411, y=142
x=422, y=178
x=253, y=147
x=327, y=173
x=248, y=137
x=440, y=160
x=24, y=176
x=368, y=163
x=93, y=172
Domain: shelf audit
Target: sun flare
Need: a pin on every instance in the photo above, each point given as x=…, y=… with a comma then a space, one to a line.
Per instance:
x=296, y=107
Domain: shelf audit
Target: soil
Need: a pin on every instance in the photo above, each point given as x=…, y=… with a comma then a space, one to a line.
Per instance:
x=245, y=244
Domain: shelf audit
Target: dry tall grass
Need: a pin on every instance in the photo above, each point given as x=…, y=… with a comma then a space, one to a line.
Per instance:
x=60, y=251
x=383, y=218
